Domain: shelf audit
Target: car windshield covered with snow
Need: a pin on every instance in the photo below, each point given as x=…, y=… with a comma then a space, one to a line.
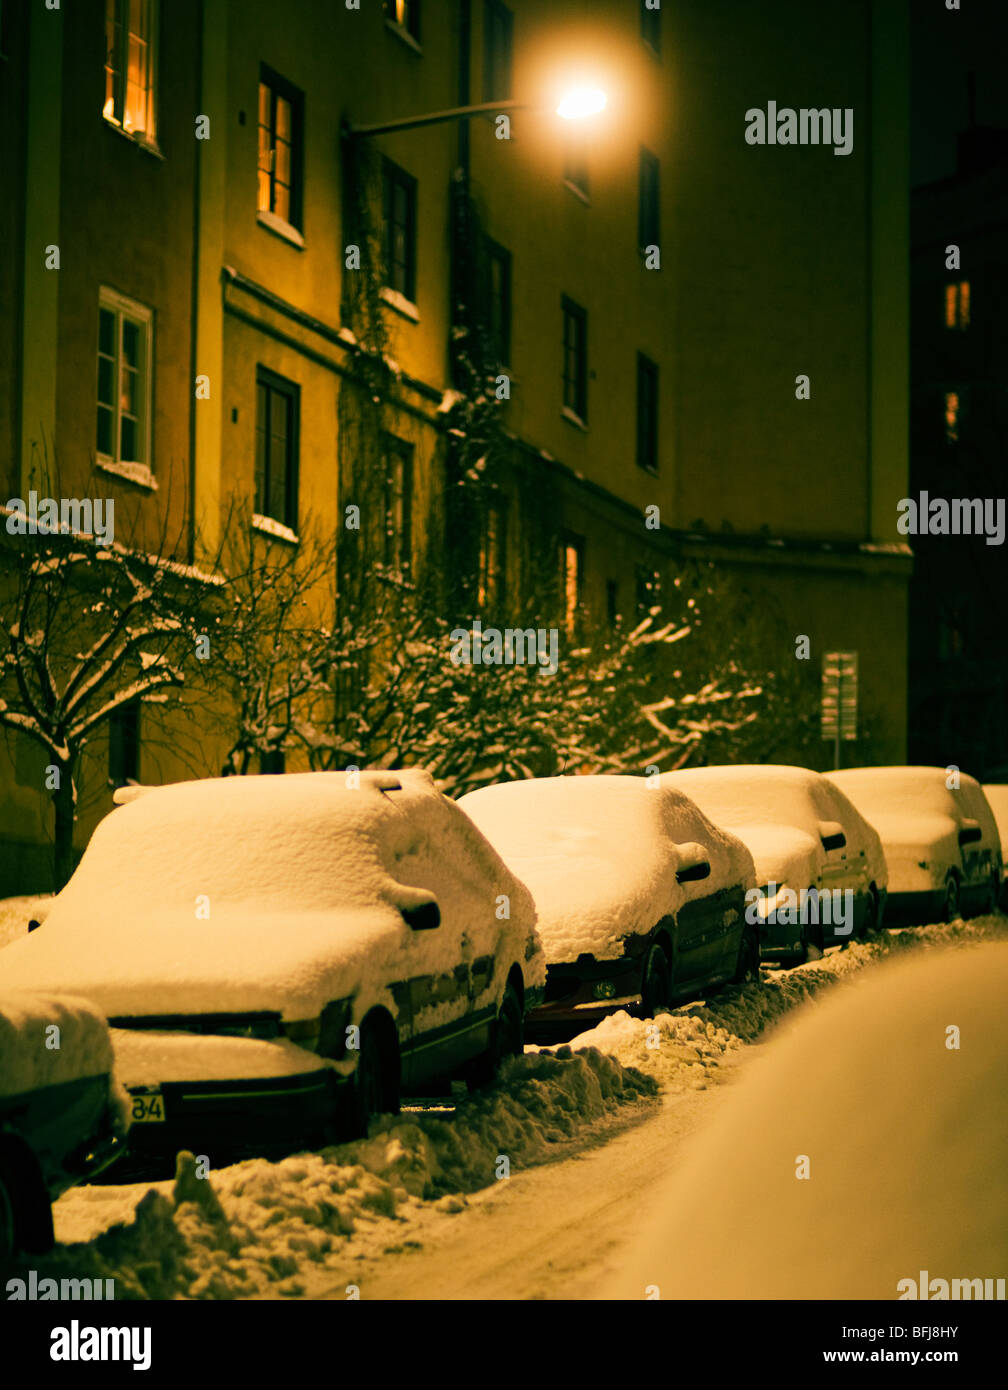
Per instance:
x=940, y=837
x=805, y=837
x=296, y=910
x=623, y=873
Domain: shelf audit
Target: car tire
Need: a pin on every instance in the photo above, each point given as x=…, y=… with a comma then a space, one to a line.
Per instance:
x=950, y=903
x=873, y=915
x=375, y=1085
x=507, y=1039
x=25, y=1211
x=656, y=985
x=747, y=964
x=812, y=935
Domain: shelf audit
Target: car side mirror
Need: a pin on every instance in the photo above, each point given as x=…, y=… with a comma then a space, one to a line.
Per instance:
x=695, y=864
x=970, y=832
x=41, y=913
x=422, y=916
x=33, y=922
x=831, y=832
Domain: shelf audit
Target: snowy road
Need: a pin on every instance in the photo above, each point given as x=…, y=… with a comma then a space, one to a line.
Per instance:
x=421, y=1209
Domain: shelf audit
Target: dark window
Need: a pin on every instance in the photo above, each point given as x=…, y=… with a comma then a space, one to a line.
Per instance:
x=272, y=761
x=400, y=199
x=498, y=310
x=650, y=24
x=398, y=547
x=647, y=414
x=407, y=14
x=281, y=119
x=492, y=556
x=124, y=744
x=575, y=358
x=612, y=610
x=648, y=590
x=498, y=24
x=576, y=168
x=276, y=464
x=648, y=218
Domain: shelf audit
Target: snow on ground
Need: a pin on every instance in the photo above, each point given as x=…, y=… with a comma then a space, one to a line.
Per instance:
x=863, y=1148
x=279, y=1229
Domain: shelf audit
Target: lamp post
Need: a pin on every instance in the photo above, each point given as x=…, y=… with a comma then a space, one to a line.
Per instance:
x=574, y=105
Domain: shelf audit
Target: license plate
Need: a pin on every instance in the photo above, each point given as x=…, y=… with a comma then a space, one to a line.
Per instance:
x=148, y=1108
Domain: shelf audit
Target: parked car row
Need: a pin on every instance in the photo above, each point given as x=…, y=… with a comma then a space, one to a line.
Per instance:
x=280, y=959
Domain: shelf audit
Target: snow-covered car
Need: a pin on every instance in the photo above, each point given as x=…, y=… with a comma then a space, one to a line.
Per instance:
x=63, y=1118
x=281, y=956
x=997, y=799
x=941, y=842
x=639, y=897
x=806, y=839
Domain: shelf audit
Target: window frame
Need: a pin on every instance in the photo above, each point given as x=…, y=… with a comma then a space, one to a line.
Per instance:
x=274, y=384
x=401, y=561
x=498, y=21
x=574, y=313
x=125, y=720
x=647, y=370
x=279, y=86
x=118, y=11
x=393, y=175
x=143, y=317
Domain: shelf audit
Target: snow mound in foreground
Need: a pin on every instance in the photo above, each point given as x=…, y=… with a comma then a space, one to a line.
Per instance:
x=904, y=1137
x=251, y=1228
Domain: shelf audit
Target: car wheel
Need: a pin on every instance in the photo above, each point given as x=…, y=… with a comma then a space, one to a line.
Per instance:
x=507, y=1040
x=25, y=1211
x=811, y=943
x=747, y=965
x=950, y=903
x=375, y=1090
x=873, y=914
x=656, y=987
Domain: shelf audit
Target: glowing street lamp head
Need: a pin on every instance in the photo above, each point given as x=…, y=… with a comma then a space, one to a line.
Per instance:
x=581, y=102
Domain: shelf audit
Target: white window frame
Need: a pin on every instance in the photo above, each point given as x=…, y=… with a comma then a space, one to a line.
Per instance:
x=146, y=137
x=139, y=470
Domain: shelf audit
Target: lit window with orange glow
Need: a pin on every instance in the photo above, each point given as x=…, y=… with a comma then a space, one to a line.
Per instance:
x=573, y=579
x=130, y=66
x=951, y=417
x=405, y=13
x=957, y=305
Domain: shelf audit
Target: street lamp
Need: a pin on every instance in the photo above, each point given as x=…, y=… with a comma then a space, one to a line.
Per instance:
x=574, y=105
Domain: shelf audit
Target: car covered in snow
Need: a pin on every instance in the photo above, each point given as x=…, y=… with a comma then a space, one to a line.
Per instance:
x=820, y=867
x=941, y=841
x=63, y=1118
x=281, y=956
x=997, y=799
x=640, y=899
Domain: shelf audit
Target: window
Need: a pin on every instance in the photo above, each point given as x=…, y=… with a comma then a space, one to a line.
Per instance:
x=957, y=411
x=650, y=24
x=498, y=310
x=648, y=219
x=405, y=13
x=576, y=169
x=498, y=23
x=272, y=762
x=131, y=66
x=612, y=602
x=492, y=556
x=124, y=380
x=124, y=744
x=276, y=461
x=398, y=547
x=400, y=200
x=575, y=359
x=572, y=578
x=648, y=590
x=281, y=116
x=647, y=414
x=957, y=305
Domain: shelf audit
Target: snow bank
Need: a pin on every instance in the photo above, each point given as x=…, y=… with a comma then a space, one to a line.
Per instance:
x=261, y=1227
x=32, y=1054
x=600, y=855
x=904, y=1138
